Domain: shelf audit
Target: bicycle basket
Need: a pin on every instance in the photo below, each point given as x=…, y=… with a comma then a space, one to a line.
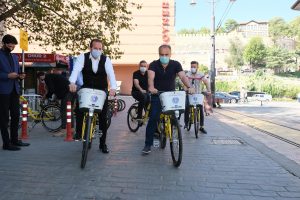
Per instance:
x=174, y=100
x=91, y=99
x=196, y=99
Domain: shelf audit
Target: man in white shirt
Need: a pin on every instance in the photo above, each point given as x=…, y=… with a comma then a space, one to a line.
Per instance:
x=95, y=68
x=195, y=79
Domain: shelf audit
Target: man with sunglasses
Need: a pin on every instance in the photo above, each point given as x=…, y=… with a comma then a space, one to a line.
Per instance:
x=195, y=79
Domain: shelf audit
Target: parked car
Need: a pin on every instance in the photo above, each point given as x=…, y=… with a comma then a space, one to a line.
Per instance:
x=261, y=97
x=227, y=98
x=236, y=94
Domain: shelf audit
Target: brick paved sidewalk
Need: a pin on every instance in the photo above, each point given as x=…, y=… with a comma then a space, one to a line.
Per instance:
x=50, y=167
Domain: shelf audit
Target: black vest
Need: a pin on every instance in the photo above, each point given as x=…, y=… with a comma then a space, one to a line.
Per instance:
x=93, y=80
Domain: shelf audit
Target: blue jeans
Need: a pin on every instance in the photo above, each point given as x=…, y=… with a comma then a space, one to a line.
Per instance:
x=153, y=119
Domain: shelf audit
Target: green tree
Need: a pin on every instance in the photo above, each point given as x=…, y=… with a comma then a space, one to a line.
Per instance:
x=278, y=28
x=70, y=25
x=230, y=25
x=279, y=59
x=235, y=58
x=203, y=68
x=255, y=52
x=204, y=30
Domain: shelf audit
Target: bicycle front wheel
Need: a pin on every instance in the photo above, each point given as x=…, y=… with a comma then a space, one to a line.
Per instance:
x=162, y=134
x=196, y=121
x=51, y=118
x=189, y=125
x=132, y=122
x=85, y=143
x=176, y=143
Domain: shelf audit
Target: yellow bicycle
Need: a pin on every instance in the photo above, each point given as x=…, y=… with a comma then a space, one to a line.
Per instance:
x=168, y=125
x=91, y=102
x=48, y=114
x=195, y=100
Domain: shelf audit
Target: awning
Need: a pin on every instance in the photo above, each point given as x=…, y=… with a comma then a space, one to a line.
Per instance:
x=44, y=58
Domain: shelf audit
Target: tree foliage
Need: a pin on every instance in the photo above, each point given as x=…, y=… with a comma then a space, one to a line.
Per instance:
x=202, y=30
x=279, y=59
x=230, y=25
x=279, y=28
x=70, y=25
x=235, y=58
x=255, y=52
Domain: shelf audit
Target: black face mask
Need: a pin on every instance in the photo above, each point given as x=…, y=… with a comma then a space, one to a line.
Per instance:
x=6, y=49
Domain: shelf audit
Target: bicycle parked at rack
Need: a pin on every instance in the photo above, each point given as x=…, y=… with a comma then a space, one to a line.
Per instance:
x=48, y=114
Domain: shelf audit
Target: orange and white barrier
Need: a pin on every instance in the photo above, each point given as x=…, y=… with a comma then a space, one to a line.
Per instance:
x=24, y=120
x=69, y=135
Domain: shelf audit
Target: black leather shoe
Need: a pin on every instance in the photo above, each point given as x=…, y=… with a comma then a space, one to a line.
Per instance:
x=103, y=148
x=203, y=130
x=20, y=144
x=11, y=148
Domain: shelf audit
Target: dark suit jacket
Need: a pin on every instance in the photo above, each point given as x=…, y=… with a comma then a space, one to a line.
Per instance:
x=57, y=84
x=7, y=85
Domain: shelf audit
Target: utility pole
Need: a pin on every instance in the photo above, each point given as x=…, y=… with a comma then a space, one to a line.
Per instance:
x=213, y=49
x=213, y=55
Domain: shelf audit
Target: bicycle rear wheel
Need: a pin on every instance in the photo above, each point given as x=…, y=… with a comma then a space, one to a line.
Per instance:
x=51, y=118
x=176, y=143
x=196, y=121
x=85, y=143
x=132, y=122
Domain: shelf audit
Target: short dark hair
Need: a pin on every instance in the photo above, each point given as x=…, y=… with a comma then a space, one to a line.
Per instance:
x=94, y=40
x=195, y=62
x=142, y=61
x=39, y=74
x=9, y=39
x=164, y=46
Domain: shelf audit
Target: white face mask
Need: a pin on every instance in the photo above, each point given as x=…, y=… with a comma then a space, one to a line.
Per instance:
x=193, y=70
x=143, y=69
x=96, y=53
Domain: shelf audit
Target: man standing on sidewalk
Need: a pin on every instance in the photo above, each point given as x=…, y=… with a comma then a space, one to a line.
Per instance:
x=161, y=77
x=9, y=94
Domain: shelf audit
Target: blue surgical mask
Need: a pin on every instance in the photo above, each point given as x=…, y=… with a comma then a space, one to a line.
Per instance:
x=96, y=53
x=143, y=69
x=164, y=59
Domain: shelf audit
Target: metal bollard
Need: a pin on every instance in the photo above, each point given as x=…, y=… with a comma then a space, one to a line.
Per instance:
x=69, y=136
x=24, y=120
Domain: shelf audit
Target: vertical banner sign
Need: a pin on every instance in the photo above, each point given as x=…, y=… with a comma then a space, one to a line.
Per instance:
x=165, y=22
x=23, y=40
x=24, y=47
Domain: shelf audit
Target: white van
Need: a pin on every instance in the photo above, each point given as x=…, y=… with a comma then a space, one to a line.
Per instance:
x=261, y=97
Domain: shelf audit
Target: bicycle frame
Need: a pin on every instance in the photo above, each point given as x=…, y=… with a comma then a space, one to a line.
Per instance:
x=93, y=125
